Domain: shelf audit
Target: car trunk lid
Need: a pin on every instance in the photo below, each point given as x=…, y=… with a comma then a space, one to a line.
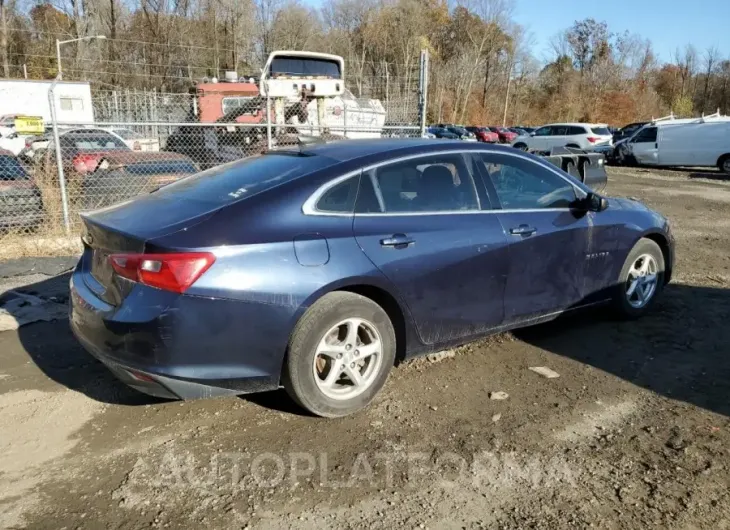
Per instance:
x=127, y=228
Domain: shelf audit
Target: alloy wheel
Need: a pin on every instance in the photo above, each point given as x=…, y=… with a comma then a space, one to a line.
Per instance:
x=348, y=359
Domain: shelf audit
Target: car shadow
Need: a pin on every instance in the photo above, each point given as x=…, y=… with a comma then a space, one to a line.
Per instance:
x=679, y=350
x=710, y=175
x=56, y=352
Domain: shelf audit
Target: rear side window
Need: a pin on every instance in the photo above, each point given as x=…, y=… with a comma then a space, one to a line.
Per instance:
x=438, y=183
x=340, y=198
x=601, y=131
x=559, y=130
x=243, y=178
x=573, y=130
x=646, y=135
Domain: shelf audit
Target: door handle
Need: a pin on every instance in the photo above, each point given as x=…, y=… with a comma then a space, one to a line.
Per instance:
x=397, y=241
x=522, y=230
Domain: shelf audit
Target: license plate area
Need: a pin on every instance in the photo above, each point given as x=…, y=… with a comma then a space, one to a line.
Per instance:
x=101, y=269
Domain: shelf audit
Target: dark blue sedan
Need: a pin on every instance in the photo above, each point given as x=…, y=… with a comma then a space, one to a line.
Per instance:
x=318, y=268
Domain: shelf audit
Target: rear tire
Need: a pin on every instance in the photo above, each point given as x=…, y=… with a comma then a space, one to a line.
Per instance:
x=641, y=280
x=723, y=164
x=341, y=337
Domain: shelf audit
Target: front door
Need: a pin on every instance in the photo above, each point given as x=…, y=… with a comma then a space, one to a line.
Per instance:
x=548, y=238
x=644, y=146
x=422, y=222
x=541, y=138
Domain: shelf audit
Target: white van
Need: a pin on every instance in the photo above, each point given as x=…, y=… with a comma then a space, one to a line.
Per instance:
x=703, y=142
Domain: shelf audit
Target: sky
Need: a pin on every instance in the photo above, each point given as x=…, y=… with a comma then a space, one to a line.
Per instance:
x=667, y=23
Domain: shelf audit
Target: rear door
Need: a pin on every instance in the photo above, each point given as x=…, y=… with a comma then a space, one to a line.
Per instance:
x=422, y=222
x=645, y=146
x=548, y=239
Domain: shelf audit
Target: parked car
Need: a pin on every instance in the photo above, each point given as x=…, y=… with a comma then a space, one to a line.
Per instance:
x=518, y=131
x=295, y=268
x=701, y=142
x=528, y=130
x=81, y=150
x=461, y=133
x=136, y=141
x=505, y=135
x=579, y=135
x=122, y=175
x=484, y=135
x=21, y=205
x=441, y=132
x=627, y=131
x=212, y=146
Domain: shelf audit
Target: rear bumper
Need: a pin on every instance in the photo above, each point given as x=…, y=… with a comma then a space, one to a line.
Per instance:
x=177, y=346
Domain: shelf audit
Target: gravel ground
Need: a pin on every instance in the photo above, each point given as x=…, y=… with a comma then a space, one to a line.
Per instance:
x=634, y=432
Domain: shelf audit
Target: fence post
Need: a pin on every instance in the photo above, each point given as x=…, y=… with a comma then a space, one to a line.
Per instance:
x=268, y=121
x=59, y=160
x=423, y=91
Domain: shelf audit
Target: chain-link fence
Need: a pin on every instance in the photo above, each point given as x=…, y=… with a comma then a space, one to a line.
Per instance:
x=143, y=140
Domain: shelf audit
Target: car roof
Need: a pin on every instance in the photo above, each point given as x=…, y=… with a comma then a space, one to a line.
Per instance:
x=347, y=150
x=577, y=124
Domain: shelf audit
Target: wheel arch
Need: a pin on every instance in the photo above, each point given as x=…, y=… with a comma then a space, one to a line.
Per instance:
x=661, y=240
x=721, y=159
x=377, y=290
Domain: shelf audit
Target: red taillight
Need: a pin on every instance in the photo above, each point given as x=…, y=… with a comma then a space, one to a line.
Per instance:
x=171, y=272
x=592, y=139
x=85, y=163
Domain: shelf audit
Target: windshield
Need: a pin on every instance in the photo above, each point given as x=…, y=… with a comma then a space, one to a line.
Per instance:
x=10, y=169
x=243, y=178
x=304, y=67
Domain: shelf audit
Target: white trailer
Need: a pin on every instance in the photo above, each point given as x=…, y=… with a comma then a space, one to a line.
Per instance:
x=30, y=97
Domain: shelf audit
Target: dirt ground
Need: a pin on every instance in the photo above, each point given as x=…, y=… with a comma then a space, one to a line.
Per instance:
x=634, y=433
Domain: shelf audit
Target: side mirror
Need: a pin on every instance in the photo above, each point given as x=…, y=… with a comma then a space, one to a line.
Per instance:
x=532, y=133
x=595, y=203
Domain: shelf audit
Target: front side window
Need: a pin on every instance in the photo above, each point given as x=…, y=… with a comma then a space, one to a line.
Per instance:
x=521, y=184
x=436, y=183
x=543, y=131
x=647, y=134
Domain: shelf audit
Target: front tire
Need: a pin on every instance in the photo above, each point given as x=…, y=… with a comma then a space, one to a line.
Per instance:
x=340, y=355
x=520, y=146
x=641, y=280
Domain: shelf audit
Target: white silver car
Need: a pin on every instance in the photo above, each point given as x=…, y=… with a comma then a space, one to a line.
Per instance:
x=581, y=135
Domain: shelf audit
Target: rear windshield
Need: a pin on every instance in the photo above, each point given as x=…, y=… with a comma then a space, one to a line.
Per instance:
x=230, y=182
x=10, y=169
x=601, y=131
x=95, y=143
x=161, y=167
x=304, y=67
x=126, y=134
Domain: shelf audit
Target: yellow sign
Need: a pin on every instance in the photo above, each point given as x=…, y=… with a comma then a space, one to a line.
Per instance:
x=29, y=125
